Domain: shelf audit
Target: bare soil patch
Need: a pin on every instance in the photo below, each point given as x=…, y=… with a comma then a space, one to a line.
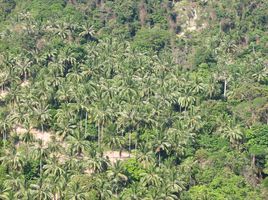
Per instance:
x=3, y=94
x=113, y=156
x=45, y=136
x=25, y=83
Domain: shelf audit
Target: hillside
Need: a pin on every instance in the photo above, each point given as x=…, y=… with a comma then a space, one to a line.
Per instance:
x=134, y=100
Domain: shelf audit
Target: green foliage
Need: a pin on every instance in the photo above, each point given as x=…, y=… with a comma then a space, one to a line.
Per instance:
x=151, y=39
x=126, y=11
x=249, y=92
x=223, y=186
x=3, y=174
x=212, y=142
x=257, y=140
x=203, y=56
x=144, y=99
x=30, y=170
x=265, y=182
x=250, y=111
x=41, y=10
x=134, y=169
x=6, y=6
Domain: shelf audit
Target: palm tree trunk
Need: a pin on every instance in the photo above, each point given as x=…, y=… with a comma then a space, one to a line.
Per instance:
x=129, y=144
x=4, y=139
x=42, y=128
x=40, y=166
x=86, y=123
x=25, y=76
x=99, y=133
x=225, y=88
x=136, y=143
x=80, y=123
x=253, y=160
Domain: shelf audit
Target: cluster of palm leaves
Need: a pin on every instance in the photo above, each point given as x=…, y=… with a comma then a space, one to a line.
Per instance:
x=112, y=98
x=104, y=95
x=90, y=95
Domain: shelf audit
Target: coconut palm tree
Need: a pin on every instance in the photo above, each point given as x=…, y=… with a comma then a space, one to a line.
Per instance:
x=73, y=165
x=223, y=73
x=103, y=188
x=167, y=193
x=42, y=114
x=211, y=88
x=62, y=30
x=67, y=59
x=161, y=145
x=24, y=67
x=5, y=126
x=4, y=193
x=75, y=191
x=13, y=159
x=114, y=142
x=65, y=128
x=234, y=134
x=13, y=182
x=54, y=168
x=57, y=187
x=186, y=99
x=151, y=177
x=175, y=183
x=40, y=153
x=41, y=190
x=4, y=78
x=13, y=96
x=98, y=164
x=198, y=85
x=100, y=116
x=117, y=175
x=78, y=142
x=262, y=75
x=145, y=157
x=87, y=31
x=24, y=191
x=135, y=192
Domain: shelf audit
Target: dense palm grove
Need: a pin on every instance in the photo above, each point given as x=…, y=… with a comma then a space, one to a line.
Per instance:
x=177, y=88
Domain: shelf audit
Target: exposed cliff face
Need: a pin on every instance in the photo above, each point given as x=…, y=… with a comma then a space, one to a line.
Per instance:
x=189, y=17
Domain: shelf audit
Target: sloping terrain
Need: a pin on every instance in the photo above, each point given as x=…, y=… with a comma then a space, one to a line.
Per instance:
x=133, y=99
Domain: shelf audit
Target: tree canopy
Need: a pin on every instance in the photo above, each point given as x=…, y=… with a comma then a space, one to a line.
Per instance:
x=141, y=99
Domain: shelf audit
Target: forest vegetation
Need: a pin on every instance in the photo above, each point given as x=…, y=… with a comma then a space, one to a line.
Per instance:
x=133, y=99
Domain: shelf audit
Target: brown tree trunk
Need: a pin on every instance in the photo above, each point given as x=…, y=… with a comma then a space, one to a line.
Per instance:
x=225, y=88
x=253, y=160
x=142, y=13
x=73, y=2
x=86, y=123
x=99, y=133
x=129, y=144
x=25, y=76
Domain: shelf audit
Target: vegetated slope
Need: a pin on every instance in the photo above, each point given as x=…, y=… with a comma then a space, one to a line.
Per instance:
x=136, y=99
